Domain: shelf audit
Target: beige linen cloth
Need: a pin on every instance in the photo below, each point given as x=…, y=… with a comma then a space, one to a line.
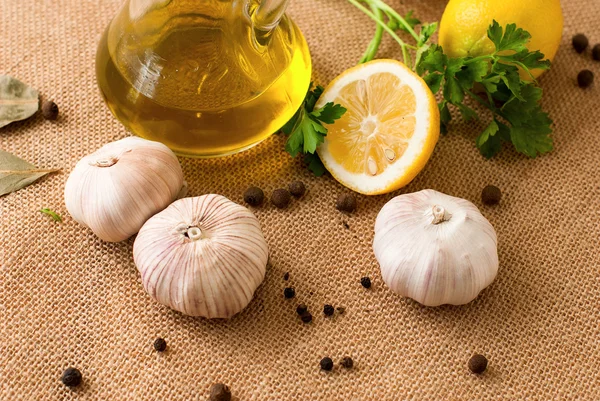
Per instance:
x=69, y=299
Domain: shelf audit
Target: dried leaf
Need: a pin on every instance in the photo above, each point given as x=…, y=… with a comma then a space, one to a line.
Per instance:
x=16, y=173
x=17, y=100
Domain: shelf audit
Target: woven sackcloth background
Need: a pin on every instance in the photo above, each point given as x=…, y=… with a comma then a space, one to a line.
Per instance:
x=69, y=299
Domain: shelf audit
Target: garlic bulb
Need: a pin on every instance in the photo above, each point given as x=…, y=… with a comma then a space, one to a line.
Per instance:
x=435, y=248
x=202, y=256
x=116, y=189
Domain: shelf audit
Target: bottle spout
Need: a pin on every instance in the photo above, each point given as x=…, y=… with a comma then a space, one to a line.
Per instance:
x=267, y=16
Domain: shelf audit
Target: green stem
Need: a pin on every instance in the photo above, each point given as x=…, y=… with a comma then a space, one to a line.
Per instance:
x=479, y=58
x=383, y=25
x=419, y=55
x=376, y=41
x=524, y=67
x=490, y=99
x=490, y=106
x=389, y=10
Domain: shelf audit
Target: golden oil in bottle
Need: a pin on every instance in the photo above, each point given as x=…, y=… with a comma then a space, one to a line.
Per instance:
x=200, y=80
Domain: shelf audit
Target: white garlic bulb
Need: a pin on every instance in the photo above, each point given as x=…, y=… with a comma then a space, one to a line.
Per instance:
x=116, y=189
x=435, y=248
x=202, y=256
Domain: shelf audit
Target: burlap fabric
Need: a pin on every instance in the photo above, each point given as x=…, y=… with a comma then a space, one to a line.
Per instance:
x=69, y=299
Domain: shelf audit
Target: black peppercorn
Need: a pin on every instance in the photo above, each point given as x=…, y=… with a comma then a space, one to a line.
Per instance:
x=346, y=203
x=347, y=363
x=220, y=392
x=326, y=364
x=254, y=196
x=596, y=52
x=281, y=198
x=49, y=110
x=328, y=310
x=286, y=276
x=585, y=78
x=580, y=42
x=297, y=188
x=306, y=317
x=71, y=377
x=365, y=282
x=491, y=195
x=301, y=309
x=346, y=225
x=160, y=344
x=478, y=363
x=289, y=293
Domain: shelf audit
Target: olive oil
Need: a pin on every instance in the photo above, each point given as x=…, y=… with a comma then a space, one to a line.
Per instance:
x=204, y=82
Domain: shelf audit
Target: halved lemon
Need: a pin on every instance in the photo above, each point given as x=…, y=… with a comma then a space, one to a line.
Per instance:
x=389, y=131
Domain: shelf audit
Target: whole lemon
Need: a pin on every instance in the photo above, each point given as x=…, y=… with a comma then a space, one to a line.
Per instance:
x=463, y=29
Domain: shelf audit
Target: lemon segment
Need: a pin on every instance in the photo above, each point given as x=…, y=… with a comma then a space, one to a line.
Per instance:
x=388, y=132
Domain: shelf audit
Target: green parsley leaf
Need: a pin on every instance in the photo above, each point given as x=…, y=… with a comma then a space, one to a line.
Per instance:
x=454, y=65
x=509, y=74
x=329, y=113
x=313, y=96
x=55, y=216
x=472, y=72
x=491, y=83
x=307, y=135
x=290, y=126
x=502, y=94
x=487, y=142
x=411, y=20
x=305, y=129
x=427, y=30
x=432, y=59
x=490, y=140
x=519, y=111
x=531, y=140
x=511, y=38
x=467, y=113
x=453, y=91
x=445, y=116
x=434, y=81
x=531, y=126
x=314, y=164
x=530, y=60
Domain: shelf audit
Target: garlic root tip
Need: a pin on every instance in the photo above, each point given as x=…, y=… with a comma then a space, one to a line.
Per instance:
x=439, y=214
x=107, y=162
x=194, y=233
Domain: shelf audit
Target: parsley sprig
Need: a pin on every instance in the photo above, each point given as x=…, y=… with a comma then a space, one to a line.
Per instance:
x=517, y=116
x=491, y=80
x=306, y=130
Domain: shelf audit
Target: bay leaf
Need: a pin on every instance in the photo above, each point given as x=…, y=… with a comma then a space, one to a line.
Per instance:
x=17, y=100
x=16, y=173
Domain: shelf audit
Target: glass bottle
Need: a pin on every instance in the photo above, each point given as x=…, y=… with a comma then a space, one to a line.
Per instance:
x=205, y=77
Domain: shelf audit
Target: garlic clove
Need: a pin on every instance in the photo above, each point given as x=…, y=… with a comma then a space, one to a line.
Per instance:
x=435, y=248
x=202, y=256
x=116, y=189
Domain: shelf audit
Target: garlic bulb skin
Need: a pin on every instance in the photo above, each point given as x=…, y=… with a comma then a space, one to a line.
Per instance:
x=202, y=256
x=435, y=248
x=116, y=189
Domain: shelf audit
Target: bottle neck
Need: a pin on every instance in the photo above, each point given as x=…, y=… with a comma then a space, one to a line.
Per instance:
x=268, y=14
